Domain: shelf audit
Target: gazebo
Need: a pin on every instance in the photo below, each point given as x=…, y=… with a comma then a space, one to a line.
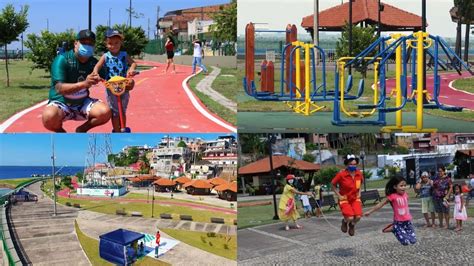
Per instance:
x=258, y=174
x=216, y=181
x=115, y=246
x=164, y=185
x=180, y=181
x=227, y=191
x=143, y=181
x=364, y=12
x=198, y=187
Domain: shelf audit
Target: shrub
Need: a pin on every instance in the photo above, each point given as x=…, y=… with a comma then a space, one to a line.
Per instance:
x=211, y=234
x=226, y=246
x=203, y=239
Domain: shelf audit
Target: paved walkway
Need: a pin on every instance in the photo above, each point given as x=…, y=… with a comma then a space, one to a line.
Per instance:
x=205, y=86
x=64, y=193
x=322, y=242
x=94, y=224
x=47, y=240
x=158, y=103
x=205, y=199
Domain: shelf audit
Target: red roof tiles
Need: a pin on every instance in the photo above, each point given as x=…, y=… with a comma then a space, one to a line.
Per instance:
x=263, y=165
x=364, y=10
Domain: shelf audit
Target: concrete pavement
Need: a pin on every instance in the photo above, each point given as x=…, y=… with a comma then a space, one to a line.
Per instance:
x=47, y=239
x=321, y=242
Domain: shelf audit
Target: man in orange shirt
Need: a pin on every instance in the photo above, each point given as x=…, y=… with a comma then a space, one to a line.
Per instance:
x=158, y=236
x=349, y=181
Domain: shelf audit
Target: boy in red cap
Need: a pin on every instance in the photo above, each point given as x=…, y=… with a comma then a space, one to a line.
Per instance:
x=287, y=207
x=349, y=181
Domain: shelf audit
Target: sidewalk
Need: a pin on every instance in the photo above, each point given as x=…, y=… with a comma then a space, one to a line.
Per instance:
x=205, y=86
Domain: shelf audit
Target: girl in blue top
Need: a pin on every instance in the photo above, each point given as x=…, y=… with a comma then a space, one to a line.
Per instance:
x=116, y=63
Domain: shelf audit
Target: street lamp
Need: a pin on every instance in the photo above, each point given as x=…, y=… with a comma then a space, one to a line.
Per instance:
x=271, y=140
x=148, y=194
x=362, y=157
x=53, y=174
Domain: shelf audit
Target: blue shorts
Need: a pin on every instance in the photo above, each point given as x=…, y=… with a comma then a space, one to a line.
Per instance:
x=113, y=102
x=404, y=232
x=307, y=208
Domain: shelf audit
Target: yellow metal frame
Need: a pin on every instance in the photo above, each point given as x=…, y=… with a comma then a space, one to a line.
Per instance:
x=341, y=63
x=305, y=106
x=419, y=93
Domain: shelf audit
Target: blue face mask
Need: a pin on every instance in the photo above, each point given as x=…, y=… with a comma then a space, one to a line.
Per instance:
x=85, y=50
x=352, y=168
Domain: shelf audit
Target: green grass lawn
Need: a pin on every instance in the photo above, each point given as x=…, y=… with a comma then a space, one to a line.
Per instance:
x=466, y=84
x=132, y=195
x=91, y=248
x=218, y=244
x=27, y=87
x=13, y=183
x=227, y=83
x=213, y=106
x=111, y=206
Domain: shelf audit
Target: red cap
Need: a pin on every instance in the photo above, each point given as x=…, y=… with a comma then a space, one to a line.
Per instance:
x=288, y=177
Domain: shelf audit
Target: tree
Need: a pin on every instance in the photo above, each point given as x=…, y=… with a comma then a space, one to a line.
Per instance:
x=225, y=27
x=309, y=157
x=44, y=47
x=145, y=164
x=182, y=144
x=361, y=39
x=11, y=26
x=253, y=144
x=325, y=175
x=134, y=39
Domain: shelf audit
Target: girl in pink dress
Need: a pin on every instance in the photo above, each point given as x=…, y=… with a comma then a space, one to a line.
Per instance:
x=459, y=208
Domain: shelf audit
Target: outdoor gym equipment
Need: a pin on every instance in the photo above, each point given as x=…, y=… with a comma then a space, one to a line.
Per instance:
x=117, y=86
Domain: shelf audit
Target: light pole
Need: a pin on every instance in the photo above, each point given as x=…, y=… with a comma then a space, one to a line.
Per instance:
x=271, y=140
x=90, y=14
x=152, y=201
x=148, y=194
x=22, y=46
x=423, y=28
x=316, y=28
x=362, y=157
x=109, y=17
x=53, y=174
x=350, y=33
x=130, y=13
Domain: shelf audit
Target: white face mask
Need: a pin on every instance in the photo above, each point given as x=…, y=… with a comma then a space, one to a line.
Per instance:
x=290, y=181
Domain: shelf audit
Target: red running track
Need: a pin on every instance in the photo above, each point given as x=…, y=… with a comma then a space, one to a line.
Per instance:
x=158, y=103
x=448, y=94
x=64, y=194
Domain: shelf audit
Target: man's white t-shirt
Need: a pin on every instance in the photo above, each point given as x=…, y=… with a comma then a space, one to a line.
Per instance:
x=197, y=50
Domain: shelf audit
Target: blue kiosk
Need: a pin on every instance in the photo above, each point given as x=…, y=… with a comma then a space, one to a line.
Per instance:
x=118, y=246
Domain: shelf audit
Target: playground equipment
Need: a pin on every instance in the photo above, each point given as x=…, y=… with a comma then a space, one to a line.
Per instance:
x=300, y=90
x=117, y=86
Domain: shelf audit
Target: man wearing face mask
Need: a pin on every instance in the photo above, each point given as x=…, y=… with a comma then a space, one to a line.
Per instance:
x=71, y=79
x=349, y=181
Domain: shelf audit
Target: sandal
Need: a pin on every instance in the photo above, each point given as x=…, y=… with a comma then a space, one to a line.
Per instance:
x=287, y=228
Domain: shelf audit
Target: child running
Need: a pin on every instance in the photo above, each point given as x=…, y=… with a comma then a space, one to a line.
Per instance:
x=459, y=208
x=116, y=62
x=287, y=206
x=401, y=227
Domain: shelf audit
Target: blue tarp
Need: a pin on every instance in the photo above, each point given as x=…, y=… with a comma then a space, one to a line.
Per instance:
x=113, y=245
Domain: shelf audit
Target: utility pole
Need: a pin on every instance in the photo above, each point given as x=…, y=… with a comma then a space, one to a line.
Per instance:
x=47, y=24
x=90, y=14
x=53, y=174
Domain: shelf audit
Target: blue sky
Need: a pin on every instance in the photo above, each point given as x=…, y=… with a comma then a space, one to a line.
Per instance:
x=70, y=149
x=64, y=14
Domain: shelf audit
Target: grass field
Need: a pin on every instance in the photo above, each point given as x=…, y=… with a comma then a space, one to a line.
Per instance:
x=226, y=87
x=13, y=183
x=27, y=87
x=219, y=244
x=466, y=84
x=91, y=248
